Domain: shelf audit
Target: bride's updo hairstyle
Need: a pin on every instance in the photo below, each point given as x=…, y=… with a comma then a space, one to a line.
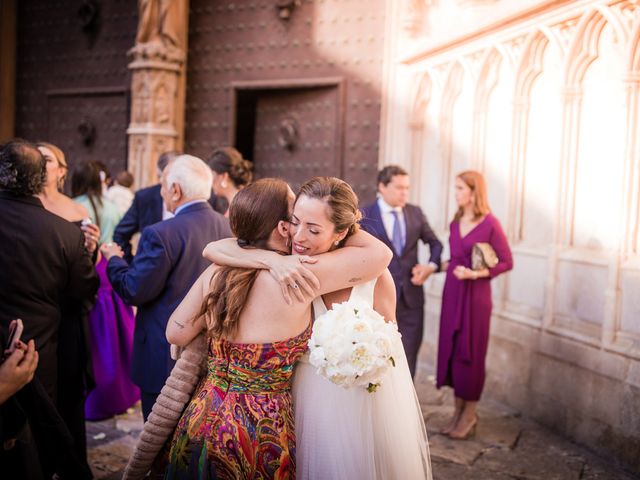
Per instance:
x=341, y=200
x=253, y=215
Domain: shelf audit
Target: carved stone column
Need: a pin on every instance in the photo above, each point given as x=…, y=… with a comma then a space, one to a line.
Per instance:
x=572, y=104
x=420, y=98
x=157, y=86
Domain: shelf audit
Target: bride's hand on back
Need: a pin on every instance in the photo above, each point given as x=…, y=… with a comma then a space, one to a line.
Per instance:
x=294, y=277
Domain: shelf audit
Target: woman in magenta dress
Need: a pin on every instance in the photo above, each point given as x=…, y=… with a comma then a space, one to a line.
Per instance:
x=466, y=302
x=111, y=321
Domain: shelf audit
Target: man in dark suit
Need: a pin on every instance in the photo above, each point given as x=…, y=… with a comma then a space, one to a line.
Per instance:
x=400, y=225
x=147, y=208
x=168, y=261
x=43, y=264
x=43, y=259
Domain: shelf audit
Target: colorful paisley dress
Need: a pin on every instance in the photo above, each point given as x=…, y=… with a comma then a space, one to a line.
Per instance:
x=239, y=423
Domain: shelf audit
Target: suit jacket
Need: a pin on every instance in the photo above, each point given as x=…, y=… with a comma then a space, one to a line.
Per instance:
x=145, y=210
x=400, y=267
x=168, y=262
x=45, y=445
x=43, y=262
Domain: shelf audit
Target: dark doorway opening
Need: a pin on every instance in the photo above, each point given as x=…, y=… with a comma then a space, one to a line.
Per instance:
x=292, y=130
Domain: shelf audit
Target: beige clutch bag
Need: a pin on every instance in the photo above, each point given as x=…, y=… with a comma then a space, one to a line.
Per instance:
x=483, y=256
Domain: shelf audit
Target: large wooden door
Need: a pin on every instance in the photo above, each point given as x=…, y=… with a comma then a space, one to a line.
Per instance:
x=235, y=44
x=72, y=80
x=90, y=125
x=296, y=134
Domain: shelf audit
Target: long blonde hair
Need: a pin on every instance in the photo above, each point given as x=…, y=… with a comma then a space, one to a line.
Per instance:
x=475, y=181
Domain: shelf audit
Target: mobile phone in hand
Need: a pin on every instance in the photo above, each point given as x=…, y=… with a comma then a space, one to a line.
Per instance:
x=15, y=332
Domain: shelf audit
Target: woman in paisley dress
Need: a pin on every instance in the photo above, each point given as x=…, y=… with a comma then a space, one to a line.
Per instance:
x=239, y=423
x=377, y=435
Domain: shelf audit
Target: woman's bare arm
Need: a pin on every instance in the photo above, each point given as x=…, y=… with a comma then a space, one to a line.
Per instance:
x=384, y=296
x=287, y=269
x=362, y=258
x=182, y=328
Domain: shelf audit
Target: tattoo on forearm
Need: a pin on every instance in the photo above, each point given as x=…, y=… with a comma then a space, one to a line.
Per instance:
x=178, y=324
x=355, y=279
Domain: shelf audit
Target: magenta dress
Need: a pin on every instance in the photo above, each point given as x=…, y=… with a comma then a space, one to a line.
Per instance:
x=111, y=324
x=466, y=311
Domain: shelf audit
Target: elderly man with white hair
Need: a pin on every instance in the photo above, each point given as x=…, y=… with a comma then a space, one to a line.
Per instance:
x=168, y=261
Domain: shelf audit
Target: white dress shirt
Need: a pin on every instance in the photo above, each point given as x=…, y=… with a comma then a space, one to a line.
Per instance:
x=166, y=214
x=188, y=204
x=388, y=219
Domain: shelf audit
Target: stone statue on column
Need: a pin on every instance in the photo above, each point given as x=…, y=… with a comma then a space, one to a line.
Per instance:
x=157, y=85
x=161, y=23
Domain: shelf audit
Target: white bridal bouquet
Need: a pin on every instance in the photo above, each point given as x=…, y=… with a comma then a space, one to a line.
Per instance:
x=352, y=345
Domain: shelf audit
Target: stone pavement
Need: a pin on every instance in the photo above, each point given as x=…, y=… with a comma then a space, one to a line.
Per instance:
x=506, y=445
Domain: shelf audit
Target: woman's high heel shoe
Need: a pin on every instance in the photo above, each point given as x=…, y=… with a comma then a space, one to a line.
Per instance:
x=471, y=431
x=451, y=426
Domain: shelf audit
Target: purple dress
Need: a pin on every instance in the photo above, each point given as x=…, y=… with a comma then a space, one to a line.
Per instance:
x=111, y=324
x=466, y=311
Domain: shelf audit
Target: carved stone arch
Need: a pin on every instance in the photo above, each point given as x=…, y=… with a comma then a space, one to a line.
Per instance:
x=452, y=87
x=531, y=64
x=454, y=80
x=633, y=50
x=615, y=18
x=530, y=67
x=631, y=241
x=487, y=78
x=421, y=96
x=583, y=49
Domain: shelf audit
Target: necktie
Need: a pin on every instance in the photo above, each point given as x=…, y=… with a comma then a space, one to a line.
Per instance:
x=396, y=239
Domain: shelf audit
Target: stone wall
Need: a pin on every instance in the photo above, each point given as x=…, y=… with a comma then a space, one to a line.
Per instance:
x=542, y=97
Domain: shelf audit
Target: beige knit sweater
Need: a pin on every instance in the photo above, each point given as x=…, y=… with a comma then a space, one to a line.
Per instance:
x=174, y=397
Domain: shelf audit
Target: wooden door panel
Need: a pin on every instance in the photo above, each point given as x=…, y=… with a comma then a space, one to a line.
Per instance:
x=296, y=134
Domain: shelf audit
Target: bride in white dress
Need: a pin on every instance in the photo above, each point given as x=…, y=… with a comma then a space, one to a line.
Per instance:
x=349, y=433
x=344, y=433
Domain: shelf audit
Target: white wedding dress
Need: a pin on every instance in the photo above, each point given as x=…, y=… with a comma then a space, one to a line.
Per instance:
x=351, y=434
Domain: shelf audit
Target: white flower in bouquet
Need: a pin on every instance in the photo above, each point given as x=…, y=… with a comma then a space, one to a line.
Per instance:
x=352, y=345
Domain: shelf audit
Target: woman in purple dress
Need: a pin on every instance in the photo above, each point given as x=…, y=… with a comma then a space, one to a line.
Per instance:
x=111, y=321
x=466, y=302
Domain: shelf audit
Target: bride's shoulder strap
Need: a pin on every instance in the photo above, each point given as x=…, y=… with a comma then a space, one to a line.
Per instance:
x=364, y=291
x=318, y=307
